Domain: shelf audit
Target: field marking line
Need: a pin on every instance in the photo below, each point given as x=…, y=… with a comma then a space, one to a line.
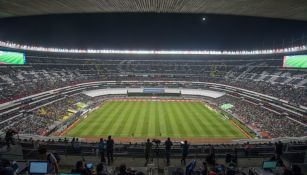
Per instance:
x=69, y=127
x=244, y=132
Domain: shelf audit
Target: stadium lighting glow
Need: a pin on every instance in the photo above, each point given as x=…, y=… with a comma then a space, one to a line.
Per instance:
x=153, y=52
x=204, y=19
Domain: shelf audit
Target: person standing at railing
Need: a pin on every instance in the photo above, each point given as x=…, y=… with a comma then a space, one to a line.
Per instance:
x=9, y=138
x=101, y=149
x=185, y=151
x=147, y=151
x=168, y=147
x=73, y=142
x=110, y=147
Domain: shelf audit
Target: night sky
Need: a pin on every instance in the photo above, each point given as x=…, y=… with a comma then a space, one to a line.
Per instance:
x=151, y=31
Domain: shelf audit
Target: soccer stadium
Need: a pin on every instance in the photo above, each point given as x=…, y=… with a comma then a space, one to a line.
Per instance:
x=153, y=87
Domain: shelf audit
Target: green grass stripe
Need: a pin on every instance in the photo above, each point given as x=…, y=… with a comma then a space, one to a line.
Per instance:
x=146, y=120
x=165, y=130
x=98, y=119
x=191, y=119
x=222, y=127
x=135, y=119
x=151, y=120
x=172, y=120
x=110, y=117
x=118, y=117
x=157, y=120
x=201, y=119
x=84, y=124
x=229, y=128
x=102, y=118
x=139, y=125
x=130, y=123
x=121, y=122
x=171, y=128
x=181, y=120
x=215, y=122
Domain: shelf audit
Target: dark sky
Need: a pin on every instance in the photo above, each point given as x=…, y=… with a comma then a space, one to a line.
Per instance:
x=150, y=31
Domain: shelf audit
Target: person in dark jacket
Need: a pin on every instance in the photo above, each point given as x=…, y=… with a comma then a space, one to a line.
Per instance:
x=279, y=149
x=185, y=151
x=168, y=147
x=73, y=141
x=9, y=138
x=204, y=169
x=110, y=147
x=147, y=151
x=80, y=169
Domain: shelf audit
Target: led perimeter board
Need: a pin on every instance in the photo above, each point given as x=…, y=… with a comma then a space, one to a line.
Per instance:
x=295, y=61
x=7, y=57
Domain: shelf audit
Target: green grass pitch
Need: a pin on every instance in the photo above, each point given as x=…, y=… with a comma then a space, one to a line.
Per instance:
x=148, y=119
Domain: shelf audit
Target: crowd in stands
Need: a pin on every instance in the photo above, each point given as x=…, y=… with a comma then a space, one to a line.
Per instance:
x=21, y=81
x=296, y=95
x=45, y=118
x=263, y=120
x=260, y=77
x=18, y=82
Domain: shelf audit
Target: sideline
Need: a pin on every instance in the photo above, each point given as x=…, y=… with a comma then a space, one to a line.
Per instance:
x=69, y=127
x=242, y=130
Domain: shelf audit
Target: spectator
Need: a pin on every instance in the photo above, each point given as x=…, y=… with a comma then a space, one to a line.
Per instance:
x=259, y=118
x=204, y=169
x=6, y=168
x=279, y=149
x=211, y=156
x=168, y=147
x=110, y=147
x=53, y=166
x=185, y=152
x=246, y=149
x=147, y=151
x=73, y=142
x=77, y=144
x=212, y=171
x=80, y=168
x=9, y=137
x=101, y=149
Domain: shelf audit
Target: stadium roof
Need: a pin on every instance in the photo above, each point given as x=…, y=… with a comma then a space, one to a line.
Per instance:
x=284, y=9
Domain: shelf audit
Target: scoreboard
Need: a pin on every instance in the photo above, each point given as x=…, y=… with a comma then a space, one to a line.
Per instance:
x=7, y=57
x=295, y=61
